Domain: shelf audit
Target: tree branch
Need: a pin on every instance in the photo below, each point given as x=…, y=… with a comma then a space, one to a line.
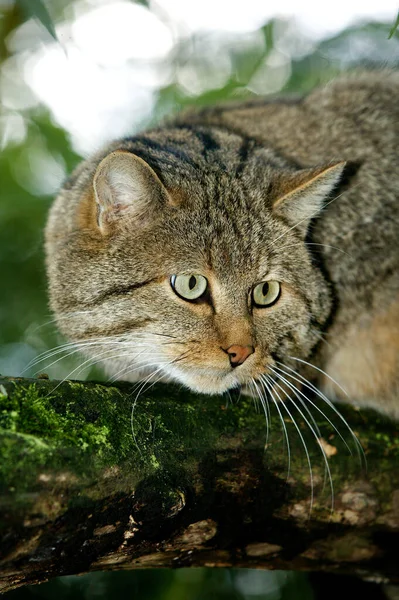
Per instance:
x=186, y=481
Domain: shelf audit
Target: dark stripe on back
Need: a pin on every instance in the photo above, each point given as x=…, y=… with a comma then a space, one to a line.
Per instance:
x=238, y=132
x=210, y=145
x=211, y=148
x=243, y=153
x=209, y=142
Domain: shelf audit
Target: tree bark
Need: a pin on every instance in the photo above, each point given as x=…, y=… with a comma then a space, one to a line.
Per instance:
x=187, y=480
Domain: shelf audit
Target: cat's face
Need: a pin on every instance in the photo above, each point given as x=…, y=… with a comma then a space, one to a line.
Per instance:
x=203, y=279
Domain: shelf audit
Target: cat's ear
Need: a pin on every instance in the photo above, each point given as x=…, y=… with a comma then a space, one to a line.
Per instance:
x=126, y=188
x=302, y=195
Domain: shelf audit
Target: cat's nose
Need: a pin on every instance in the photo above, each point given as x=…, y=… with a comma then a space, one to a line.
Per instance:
x=239, y=354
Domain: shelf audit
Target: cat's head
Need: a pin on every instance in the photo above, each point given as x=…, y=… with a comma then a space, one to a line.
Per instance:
x=182, y=254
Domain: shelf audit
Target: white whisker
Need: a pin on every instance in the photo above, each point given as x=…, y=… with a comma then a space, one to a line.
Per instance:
x=81, y=346
x=313, y=404
x=300, y=436
x=268, y=388
x=115, y=346
x=308, y=384
x=141, y=389
x=76, y=345
x=320, y=371
x=316, y=432
x=264, y=403
x=90, y=362
x=301, y=400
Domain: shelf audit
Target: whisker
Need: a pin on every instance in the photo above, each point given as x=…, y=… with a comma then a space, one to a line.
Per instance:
x=315, y=425
x=141, y=389
x=125, y=369
x=358, y=446
x=255, y=397
x=300, y=436
x=316, y=434
x=115, y=345
x=81, y=345
x=118, y=356
x=265, y=384
x=132, y=368
x=67, y=356
x=315, y=406
x=320, y=371
x=89, y=362
x=263, y=402
x=66, y=346
x=229, y=398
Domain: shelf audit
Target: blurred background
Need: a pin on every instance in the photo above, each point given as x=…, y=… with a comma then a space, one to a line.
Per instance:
x=75, y=75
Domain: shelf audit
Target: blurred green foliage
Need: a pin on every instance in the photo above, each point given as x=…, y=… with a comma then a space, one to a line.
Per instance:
x=185, y=584
x=394, y=27
x=34, y=146
x=38, y=10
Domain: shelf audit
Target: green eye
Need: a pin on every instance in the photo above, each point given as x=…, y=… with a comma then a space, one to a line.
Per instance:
x=266, y=293
x=189, y=287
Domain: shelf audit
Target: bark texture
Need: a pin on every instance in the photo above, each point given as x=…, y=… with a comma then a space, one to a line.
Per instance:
x=186, y=480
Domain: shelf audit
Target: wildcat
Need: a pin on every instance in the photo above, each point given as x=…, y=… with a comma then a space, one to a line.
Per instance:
x=242, y=245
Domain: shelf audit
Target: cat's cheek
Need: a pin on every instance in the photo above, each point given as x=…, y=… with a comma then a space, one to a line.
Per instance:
x=284, y=334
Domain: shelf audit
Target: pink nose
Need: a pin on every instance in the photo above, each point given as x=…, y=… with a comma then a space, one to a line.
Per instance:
x=239, y=354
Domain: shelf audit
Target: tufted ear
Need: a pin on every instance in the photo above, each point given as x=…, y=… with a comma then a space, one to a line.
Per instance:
x=302, y=195
x=126, y=188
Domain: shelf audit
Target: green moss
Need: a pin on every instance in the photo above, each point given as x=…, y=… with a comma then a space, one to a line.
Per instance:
x=35, y=437
x=27, y=412
x=85, y=427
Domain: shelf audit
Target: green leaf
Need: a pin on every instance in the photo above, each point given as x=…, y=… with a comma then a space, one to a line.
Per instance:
x=394, y=27
x=37, y=9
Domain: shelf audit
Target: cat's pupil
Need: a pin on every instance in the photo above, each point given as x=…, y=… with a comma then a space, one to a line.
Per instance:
x=265, y=289
x=192, y=282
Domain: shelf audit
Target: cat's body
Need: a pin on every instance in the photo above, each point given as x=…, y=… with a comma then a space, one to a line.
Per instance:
x=229, y=193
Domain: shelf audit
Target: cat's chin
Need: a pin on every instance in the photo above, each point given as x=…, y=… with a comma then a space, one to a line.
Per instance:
x=200, y=383
x=209, y=387
x=208, y=383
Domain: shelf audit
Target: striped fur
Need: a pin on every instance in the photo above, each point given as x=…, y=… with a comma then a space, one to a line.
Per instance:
x=223, y=170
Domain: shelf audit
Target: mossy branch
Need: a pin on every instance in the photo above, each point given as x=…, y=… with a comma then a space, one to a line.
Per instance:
x=186, y=481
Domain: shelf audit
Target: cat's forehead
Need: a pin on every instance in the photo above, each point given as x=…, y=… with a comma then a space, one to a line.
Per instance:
x=224, y=239
x=220, y=218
